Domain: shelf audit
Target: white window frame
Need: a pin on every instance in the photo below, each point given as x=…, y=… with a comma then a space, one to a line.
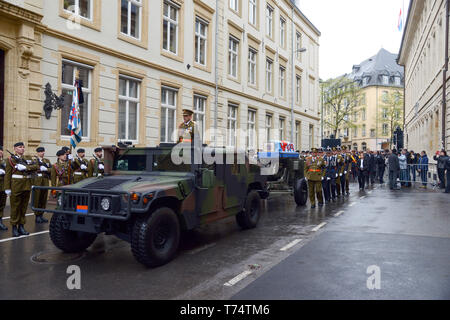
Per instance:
x=138, y=4
x=234, y=4
x=86, y=91
x=232, y=136
x=385, y=129
x=269, y=118
x=297, y=133
x=233, y=53
x=165, y=107
x=385, y=80
x=269, y=21
x=365, y=81
x=281, y=128
x=198, y=99
x=282, y=81
x=251, y=129
x=298, y=84
x=252, y=60
x=252, y=12
x=269, y=75
x=282, y=31
x=76, y=11
x=169, y=23
x=398, y=81
x=298, y=42
x=129, y=99
x=363, y=131
x=198, y=38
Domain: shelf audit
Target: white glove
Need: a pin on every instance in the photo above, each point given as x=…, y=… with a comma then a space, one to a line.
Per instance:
x=83, y=167
x=21, y=167
x=345, y=172
x=2, y=172
x=340, y=174
x=323, y=178
x=337, y=175
x=101, y=167
x=43, y=168
x=328, y=178
x=8, y=192
x=70, y=157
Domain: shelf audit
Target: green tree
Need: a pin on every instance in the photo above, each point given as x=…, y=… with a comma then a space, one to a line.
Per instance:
x=392, y=113
x=341, y=98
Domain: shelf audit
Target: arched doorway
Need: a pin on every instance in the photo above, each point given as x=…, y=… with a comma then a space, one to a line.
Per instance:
x=355, y=146
x=364, y=146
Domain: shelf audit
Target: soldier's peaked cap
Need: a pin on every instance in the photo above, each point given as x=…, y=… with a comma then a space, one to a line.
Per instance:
x=314, y=150
x=65, y=149
x=40, y=149
x=187, y=112
x=344, y=148
x=98, y=149
x=60, y=153
x=18, y=144
x=81, y=151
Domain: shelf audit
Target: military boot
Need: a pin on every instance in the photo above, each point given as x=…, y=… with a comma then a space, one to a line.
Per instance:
x=22, y=230
x=41, y=219
x=2, y=226
x=15, y=232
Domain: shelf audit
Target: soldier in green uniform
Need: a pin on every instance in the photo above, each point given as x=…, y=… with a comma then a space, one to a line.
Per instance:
x=18, y=179
x=80, y=166
x=59, y=174
x=186, y=129
x=2, y=189
x=314, y=174
x=41, y=179
x=69, y=160
x=97, y=165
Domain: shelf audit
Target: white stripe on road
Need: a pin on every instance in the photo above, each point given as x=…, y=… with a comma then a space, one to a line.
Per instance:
x=352, y=204
x=319, y=226
x=238, y=278
x=369, y=192
x=27, y=215
x=290, y=245
x=339, y=213
x=363, y=197
x=22, y=237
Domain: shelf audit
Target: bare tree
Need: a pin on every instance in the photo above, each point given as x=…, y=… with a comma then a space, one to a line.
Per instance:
x=341, y=97
x=392, y=113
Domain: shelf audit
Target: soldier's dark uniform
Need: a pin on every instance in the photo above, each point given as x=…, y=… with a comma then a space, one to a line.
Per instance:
x=339, y=174
x=3, y=195
x=41, y=179
x=329, y=181
x=314, y=174
x=345, y=179
x=19, y=182
x=79, y=172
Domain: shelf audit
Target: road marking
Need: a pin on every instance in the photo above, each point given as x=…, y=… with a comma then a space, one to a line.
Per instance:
x=238, y=278
x=363, y=197
x=290, y=245
x=369, y=192
x=339, y=213
x=27, y=215
x=22, y=237
x=352, y=204
x=195, y=251
x=319, y=226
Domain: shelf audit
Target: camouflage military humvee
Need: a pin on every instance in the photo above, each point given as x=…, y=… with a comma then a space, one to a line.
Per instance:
x=145, y=199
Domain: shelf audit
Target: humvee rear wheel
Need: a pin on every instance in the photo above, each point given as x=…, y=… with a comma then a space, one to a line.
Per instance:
x=301, y=192
x=155, y=239
x=249, y=218
x=67, y=240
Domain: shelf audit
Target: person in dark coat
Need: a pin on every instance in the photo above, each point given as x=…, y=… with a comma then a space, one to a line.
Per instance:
x=363, y=170
x=394, y=169
x=412, y=162
x=423, y=169
x=381, y=166
x=447, y=167
x=441, y=161
x=372, y=167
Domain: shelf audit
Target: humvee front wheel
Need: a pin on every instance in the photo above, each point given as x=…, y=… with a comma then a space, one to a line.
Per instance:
x=67, y=240
x=249, y=217
x=301, y=192
x=155, y=239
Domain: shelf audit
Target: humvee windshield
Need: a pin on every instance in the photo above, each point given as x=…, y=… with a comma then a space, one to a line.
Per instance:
x=148, y=160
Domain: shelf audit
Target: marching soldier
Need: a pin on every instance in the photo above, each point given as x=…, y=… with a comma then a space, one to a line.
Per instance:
x=314, y=175
x=97, y=165
x=329, y=181
x=345, y=180
x=42, y=179
x=18, y=179
x=339, y=171
x=80, y=166
x=186, y=129
x=2, y=189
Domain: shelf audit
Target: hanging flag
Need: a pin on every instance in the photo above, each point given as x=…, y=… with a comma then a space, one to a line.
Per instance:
x=74, y=125
x=400, y=21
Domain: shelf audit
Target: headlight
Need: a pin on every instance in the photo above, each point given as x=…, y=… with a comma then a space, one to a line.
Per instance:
x=106, y=204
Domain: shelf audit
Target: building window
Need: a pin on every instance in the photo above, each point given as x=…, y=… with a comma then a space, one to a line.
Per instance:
x=233, y=57
x=251, y=66
x=297, y=135
x=363, y=100
x=199, y=114
x=364, y=146
x=69, y=70
x=397, y=114
x=269, y=71
x=372, y=133
x=282, y=32
x=385, y=80
x=131, y=17
x=363, y=114
x=385, y=129
x=355, y=116
x=168, y=114
x=363, y=130
x=365, y=81
x=282, y=82
x=251, y=130
x=269, y=21
x=80, y=8
x=128, y=109
x=170, y=27
x=397, y=81
x=232, y=125
x=281, y=128
x=268, y=127
x=355, y=132
x=298, y=44
x=298, y=89
x=252, y=11
x=385, y=113
x=384, y=96
x=234, y=4
x=311, y=136
x=201, y=29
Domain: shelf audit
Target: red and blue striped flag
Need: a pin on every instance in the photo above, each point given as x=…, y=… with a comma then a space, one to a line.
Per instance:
x=400, y=21
x=74, y=125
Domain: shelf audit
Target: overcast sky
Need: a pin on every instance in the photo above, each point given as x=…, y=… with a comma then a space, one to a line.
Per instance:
x=353, y=30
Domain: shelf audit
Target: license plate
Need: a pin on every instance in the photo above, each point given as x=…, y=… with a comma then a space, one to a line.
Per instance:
x=82, y=209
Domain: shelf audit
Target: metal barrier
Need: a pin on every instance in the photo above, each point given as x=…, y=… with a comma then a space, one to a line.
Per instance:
x=419, y=174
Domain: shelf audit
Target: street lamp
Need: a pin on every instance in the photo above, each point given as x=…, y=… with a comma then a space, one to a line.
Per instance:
x=301, y=50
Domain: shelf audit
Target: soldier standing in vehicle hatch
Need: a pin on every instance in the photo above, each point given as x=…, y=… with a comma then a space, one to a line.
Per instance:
x=187, y=128
x=314, y=175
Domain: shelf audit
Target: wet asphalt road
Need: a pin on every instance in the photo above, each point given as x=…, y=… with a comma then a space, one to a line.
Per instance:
x=294, y=253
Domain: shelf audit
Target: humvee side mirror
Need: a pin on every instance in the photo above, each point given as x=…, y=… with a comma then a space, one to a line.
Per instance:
x=208, y=179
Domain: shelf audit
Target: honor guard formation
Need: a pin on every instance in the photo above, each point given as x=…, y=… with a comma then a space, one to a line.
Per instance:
x=19, y=172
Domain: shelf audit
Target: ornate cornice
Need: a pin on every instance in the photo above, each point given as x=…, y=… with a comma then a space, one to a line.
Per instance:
x=19, y=13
